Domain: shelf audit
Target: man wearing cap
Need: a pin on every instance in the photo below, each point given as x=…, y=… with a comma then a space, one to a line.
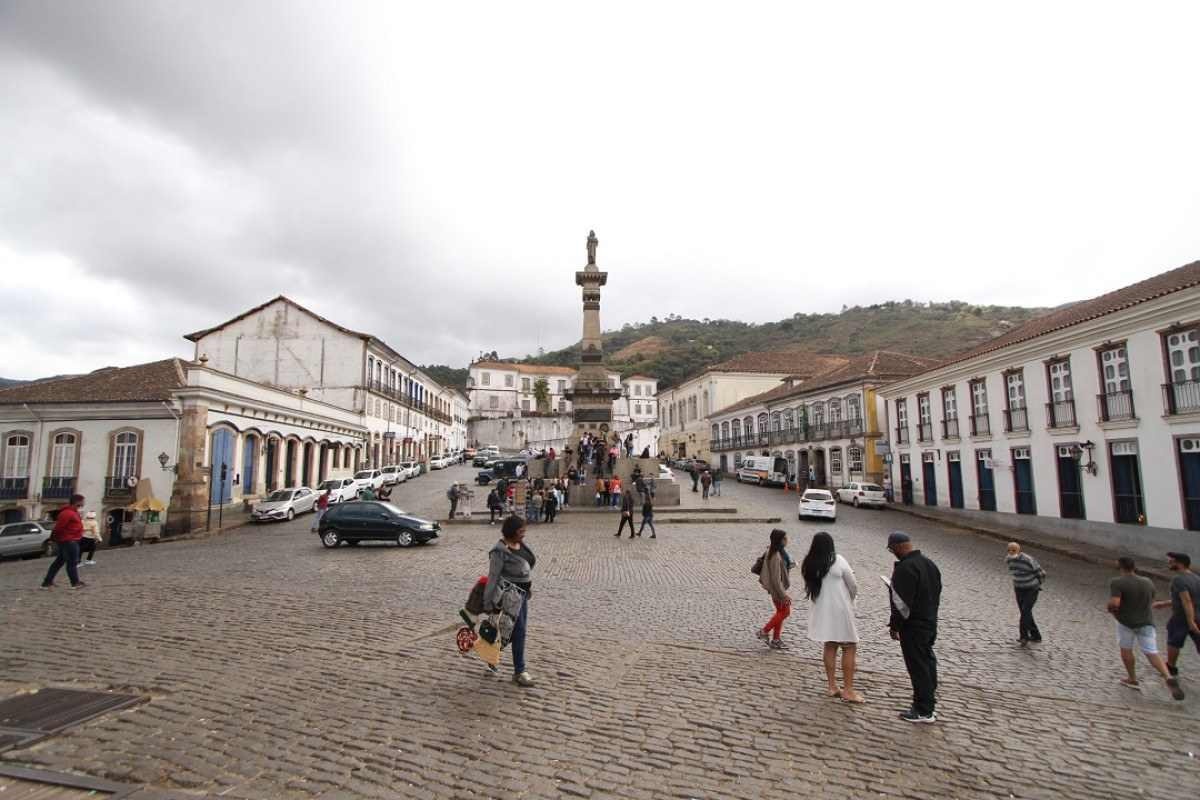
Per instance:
x=1185, y=608
x=916, y=592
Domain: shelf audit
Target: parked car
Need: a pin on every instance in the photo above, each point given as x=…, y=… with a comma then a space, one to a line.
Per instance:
x=340, y=489
x=26, y=539
x=484, y=477
x=481, y=460
x=468, y=453
x=411, y=468
x=861, y=494
x=664, y=473
x=817, y=503
x=438, y=462
x=392, y=474
x=285, y=504
x=374, y=521
x=368, y=477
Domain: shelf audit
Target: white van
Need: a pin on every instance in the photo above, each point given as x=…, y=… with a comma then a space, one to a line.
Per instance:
x=763, y=470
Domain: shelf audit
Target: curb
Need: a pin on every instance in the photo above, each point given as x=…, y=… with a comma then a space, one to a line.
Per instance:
x=1060, y=547
x=718, y=520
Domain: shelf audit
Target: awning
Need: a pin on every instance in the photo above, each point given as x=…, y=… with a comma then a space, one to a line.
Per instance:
x=147, y=504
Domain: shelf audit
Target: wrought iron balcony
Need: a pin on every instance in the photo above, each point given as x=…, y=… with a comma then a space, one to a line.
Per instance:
x=58, y=488
x=902, y=435
x=981, y=425
x=1116, y=405
x=1060, y=414
x=924, y=432
x=1182, y=397
x=950, y=428
x=116, y=487
x=14, y=488
x=1016, y=420
x=854, y=427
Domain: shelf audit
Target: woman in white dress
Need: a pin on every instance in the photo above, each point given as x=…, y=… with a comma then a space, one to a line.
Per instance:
x=829, y=584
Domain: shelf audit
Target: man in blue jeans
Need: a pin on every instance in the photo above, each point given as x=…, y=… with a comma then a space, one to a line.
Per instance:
x=68, y=530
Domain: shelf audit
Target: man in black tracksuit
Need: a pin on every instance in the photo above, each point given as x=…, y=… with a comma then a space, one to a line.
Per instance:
x=915, y=596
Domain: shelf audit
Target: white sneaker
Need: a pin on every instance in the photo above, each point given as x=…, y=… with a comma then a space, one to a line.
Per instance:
x=90, y=563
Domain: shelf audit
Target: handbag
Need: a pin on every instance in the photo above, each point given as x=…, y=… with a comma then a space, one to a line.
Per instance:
x=757, y=567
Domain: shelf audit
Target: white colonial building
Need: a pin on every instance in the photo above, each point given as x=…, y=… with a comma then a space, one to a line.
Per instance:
x=827, y=425
x=684, y=411
x=409, y=416
x=1088, y=417
x=501, y=389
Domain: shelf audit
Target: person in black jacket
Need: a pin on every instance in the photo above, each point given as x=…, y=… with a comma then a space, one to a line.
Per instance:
x=627, y=513
x=916, y=592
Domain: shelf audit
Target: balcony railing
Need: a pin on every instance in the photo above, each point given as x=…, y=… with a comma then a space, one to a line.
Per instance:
x=924, y=432
x=58, y=488
x=818, y=432
x=901, y=435
x=14, y=488
x=981, y=425
x=1016, y=420
x=854, y=427
x=1060, y=414
x=950, y=428
x=116, y=487
x=1182, y=397
x=1115, y=405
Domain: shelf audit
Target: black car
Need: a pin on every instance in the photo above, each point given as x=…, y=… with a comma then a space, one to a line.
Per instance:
x=485, y=477
x=368, y=520
x=481, y=460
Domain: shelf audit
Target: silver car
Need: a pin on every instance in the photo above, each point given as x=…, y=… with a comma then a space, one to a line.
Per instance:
x=25, y=539
x=285, y=504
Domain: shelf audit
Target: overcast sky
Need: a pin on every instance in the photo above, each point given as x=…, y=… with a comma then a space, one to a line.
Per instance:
x=429, y=173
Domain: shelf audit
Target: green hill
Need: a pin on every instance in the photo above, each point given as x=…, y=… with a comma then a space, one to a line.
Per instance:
x=675, y=348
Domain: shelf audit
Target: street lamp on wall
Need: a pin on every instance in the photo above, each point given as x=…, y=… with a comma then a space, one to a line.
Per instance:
x=163, y=458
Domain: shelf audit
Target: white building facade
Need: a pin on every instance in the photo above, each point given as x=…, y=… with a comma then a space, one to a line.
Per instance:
x=499, y=389
x=1089, y=417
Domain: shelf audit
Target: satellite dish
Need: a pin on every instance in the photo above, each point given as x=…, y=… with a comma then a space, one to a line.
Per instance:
x=131, y=481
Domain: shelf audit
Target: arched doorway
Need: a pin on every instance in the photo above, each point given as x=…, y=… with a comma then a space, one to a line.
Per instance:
x=306, y=465
x=249, y=460
x=322, y=464
x=289, y=463
x=272, y=459
x=220, y=481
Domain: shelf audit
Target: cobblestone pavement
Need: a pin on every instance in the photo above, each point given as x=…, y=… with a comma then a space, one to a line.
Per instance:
x=277, y=668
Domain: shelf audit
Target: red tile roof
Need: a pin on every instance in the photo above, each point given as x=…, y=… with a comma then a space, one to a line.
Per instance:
x=1185, y=277
x=140, y=383
x=783, y=362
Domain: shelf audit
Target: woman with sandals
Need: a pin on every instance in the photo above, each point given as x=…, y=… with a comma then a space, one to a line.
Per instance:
x=829, y=583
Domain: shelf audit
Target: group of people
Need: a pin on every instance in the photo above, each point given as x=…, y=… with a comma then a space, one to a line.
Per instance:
x=543, y=499
x=75, y=539
x=706, y=480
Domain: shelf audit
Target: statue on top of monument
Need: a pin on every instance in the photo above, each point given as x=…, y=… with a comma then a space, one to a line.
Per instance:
x=592, y=241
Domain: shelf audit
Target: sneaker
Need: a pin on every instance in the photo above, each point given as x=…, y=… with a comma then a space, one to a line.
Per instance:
x=760, y=633
x=90, y=563
x=777, y=644
x=47, y=585
x=1176, y=689
x=1172, y=671
x=912, y=715
x=523, y=679
x=79, y=585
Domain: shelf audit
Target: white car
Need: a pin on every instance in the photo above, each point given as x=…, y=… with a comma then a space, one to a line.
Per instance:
x=340, y=489
x=285, y=504
x=438, y=462
x=392, y=474
x=411, y=468
x=818, y=503
x=861, y=494
x=368, y=477
x=664, y=473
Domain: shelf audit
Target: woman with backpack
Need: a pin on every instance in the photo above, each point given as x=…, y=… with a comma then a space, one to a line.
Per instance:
x=829, y=583
x=773, y=576
x=509, y=587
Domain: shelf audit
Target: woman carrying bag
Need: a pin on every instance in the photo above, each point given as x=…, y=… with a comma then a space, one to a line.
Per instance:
x=509, y=587
x=773, y=576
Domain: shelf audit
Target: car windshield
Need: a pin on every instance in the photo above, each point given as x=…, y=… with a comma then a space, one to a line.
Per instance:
x=810, y=495
x=395, y=509
x=363, y=474
x=870, y=487
x=389, y=470
x=330, y=485
x=279, y=496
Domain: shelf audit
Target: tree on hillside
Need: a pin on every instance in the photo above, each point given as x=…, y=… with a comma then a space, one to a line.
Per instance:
x=541, y=394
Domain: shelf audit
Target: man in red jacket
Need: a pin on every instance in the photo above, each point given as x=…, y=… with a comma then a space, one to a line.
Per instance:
x=68, y=530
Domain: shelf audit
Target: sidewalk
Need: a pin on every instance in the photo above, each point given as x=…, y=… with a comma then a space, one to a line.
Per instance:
x=1092, y=554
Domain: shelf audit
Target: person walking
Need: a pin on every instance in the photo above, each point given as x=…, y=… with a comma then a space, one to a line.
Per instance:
x=705, y=483
x=68, y=530
x=1027, y=576
x=915, y=594
x=510, y=587
x=495, y=506
x=1185, y=608
x=550, y=504
x=601, y=492
x=1131, y=600
x=615, y=490
x=626, y=513
x=322, y=507
x=695, y=476
x=647, y=515
x=829, y=584
x=716, y=483
x=539, y=505
x=91, y=538
x=773, y=576
x=452, y=494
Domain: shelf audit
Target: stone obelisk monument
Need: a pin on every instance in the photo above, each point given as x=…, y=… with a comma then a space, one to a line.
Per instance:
x=592, y=395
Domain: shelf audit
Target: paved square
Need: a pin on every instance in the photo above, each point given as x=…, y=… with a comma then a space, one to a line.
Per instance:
x=277, y=668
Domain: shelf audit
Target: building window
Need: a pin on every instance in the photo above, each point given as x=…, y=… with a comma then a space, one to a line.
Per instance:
x=1061, y=408
x=62, y=455
x=562, y=405
x=637, y=408
x=949, y=413
x=1116, y=398
x=818, y=414
x=562, y=387
x=525, y=386
x=525, y=404
x=748, y=426
x=924, y=418
x=902, y=421
x=637, y=390
x=853, y=408
x=854, y=456
x=16, y=456
x=508, y=381
x=493, y=401
x=835, y=411
x=125, y=447
x=692, y=407
x=1183, y=355
x=774, y=421
x=787, y=420
x=486, y=378
x=1016, y=417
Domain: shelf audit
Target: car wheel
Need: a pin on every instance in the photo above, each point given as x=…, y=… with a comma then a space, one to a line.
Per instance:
x=291, y=514
x=331, y=538
x=404, y=538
